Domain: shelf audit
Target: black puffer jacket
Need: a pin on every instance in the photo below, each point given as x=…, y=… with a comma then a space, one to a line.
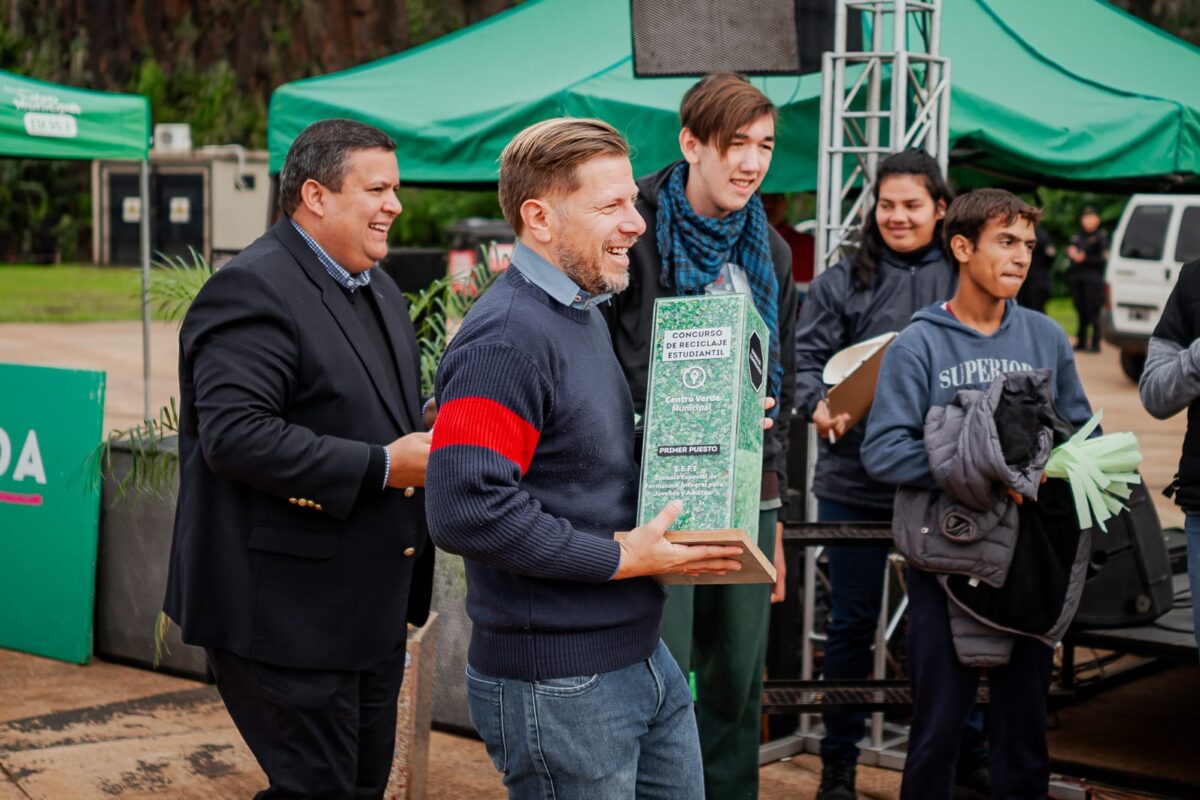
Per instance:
x=835, y=316
x=630, y=317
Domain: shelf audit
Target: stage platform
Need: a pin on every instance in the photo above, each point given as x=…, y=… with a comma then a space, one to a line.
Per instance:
x=1169, y=636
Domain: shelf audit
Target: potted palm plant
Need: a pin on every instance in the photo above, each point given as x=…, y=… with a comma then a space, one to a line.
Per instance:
x=138, y=469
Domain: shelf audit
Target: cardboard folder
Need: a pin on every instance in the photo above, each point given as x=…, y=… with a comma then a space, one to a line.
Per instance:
x=854, y=373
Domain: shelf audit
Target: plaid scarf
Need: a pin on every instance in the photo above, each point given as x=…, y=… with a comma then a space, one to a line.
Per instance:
x=694, y=248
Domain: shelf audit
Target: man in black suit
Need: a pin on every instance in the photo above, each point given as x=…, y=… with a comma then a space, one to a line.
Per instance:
x=300, y=545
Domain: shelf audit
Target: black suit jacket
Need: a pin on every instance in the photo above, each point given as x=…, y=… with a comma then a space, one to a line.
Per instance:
x=285, y=550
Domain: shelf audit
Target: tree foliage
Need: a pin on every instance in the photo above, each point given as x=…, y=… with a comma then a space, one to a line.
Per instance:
x=214, y=64
x=427, y=212
x=1061, y=209
x=1179, y=17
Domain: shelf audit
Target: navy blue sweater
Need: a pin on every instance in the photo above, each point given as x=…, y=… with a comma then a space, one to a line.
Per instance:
x=532, y=470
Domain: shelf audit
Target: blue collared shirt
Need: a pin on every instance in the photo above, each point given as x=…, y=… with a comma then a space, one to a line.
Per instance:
x=553, y=281
x=344, y=277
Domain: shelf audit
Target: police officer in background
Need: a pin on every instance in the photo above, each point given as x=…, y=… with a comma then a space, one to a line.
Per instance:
x=1088, y=253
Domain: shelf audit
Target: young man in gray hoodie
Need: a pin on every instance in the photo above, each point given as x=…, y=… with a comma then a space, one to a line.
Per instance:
x=966, y=343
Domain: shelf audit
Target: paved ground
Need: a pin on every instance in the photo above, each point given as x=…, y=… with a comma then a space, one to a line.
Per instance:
x=114, y=347
x=106, y=731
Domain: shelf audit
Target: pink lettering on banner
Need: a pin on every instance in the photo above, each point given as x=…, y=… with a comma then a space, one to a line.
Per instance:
x=20, y=499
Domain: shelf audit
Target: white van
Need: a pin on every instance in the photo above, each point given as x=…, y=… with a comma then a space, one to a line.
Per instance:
x=1157, y=234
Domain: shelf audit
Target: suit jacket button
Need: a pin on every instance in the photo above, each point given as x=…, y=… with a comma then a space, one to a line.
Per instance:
x=409, y=491
x=409, y=552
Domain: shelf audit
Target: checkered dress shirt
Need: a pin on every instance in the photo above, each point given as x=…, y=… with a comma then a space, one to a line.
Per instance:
x=344, y=278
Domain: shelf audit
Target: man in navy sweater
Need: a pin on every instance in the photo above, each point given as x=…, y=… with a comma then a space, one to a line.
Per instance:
x=531, y=472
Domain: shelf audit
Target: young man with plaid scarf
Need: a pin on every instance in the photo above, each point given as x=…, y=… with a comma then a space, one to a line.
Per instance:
x=707, y=232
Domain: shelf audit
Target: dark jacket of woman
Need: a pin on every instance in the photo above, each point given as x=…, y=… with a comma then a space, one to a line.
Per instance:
x=835, y=316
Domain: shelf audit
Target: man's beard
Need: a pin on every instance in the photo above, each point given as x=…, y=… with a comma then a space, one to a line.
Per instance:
x=588, y=273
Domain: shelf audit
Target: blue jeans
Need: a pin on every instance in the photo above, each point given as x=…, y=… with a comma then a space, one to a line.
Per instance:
x=621, y=734
x=1191, y=526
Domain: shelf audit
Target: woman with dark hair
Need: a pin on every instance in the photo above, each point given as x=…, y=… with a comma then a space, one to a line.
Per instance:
x=898, y=268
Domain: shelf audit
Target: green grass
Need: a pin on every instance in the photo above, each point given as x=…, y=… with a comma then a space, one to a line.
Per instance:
x=1062, y=311
x=77, y=293
x=68, y=293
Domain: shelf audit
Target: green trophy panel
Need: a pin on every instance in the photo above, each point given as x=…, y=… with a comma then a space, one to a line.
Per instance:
x=703, y=421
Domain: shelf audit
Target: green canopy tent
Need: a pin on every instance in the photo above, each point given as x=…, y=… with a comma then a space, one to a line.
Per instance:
x=46, y=120
x=1069, y=92
x=452, y=104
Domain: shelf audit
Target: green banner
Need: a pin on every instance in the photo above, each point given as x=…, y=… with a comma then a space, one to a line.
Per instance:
x=48, y=120
x=50, y=423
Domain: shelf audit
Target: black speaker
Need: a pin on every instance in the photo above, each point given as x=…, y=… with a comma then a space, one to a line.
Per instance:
x=797, y=470
x=1129, y=576
x=414, y=268
x=131, y=574
x=761, y=37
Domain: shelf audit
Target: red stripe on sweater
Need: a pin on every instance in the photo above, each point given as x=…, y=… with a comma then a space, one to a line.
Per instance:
x=480, y=422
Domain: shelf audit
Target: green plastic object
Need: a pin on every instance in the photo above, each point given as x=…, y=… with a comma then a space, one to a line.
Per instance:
x=1101, y=471
x=50, y=424
x=704, y=409
x=48, y=120
x=1048, y=92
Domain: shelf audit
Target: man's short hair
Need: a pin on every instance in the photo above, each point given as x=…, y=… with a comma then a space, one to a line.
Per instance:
x=719, y=105
x=322, y=153
x=970, y=213
x=543, y=160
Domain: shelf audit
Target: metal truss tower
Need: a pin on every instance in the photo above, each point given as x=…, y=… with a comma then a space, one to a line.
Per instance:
x=889, y=97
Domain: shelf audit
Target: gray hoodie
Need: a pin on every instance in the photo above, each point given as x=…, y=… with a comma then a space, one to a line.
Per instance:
x=934, y=358
x=970, y=526
x=926, y=367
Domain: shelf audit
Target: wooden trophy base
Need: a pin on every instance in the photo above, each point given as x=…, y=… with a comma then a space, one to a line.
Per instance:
x=756, y=568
